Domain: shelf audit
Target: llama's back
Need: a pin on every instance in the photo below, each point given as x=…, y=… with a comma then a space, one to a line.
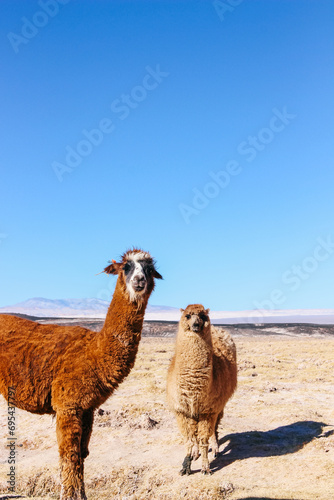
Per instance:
x=223, y=344
x=224, y=364
x=30, y=354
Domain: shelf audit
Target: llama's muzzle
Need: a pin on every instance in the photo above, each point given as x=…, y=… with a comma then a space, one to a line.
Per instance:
x=138, y=283
x=196, y=327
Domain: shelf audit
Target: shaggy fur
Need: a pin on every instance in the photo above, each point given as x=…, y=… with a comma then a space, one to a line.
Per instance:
x=71, y=371
x=201, y=378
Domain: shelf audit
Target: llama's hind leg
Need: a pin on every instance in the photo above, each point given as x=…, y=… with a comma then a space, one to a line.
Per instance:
x=206, y=427
x=87, y=425
x=69, y=435
x=214, y=438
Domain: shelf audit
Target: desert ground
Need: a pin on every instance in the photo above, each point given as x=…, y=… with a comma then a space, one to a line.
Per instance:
x=276, y=438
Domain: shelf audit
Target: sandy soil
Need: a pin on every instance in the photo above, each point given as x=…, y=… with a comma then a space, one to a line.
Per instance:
x=276, y=439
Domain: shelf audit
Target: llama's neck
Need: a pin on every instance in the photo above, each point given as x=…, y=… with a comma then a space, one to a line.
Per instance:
x=194, y=351
x=124, y=318
x=119, y=337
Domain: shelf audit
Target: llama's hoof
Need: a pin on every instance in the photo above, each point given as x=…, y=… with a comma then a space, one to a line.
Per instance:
x=215, y=451
x=206, y=471
x=186, y=470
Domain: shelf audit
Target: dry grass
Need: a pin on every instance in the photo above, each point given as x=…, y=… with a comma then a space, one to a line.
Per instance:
x=277, y=439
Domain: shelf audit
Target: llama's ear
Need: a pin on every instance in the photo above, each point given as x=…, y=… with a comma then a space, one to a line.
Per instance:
x=113, y=268
x=207, y=311
x=157, y=275
x=182, y=310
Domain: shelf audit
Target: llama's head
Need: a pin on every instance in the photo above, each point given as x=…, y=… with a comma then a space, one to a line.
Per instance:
x=137, y=271
x=195, y=319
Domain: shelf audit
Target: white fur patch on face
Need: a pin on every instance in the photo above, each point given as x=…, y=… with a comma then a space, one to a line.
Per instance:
x=132, y=293
x=135, y=256
x=137, y=273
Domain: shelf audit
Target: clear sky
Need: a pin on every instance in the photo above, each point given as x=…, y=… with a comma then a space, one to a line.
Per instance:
x=200, y=131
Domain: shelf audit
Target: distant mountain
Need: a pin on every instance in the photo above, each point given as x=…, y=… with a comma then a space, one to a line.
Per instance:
x=97, y=308
x=314, y=316
x=73, y=308
x=67, y=308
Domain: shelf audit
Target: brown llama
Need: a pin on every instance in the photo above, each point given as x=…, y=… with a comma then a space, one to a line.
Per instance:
x=70, y=370
x=201, y=378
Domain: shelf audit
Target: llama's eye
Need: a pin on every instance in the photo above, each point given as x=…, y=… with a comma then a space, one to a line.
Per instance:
x=149, y=269
x=126, y=268
x=188, y=316
x=203, y=317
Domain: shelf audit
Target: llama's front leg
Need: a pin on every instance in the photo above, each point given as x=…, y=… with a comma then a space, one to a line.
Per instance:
x=206, y=427
x=69, y=435
x=188, y=428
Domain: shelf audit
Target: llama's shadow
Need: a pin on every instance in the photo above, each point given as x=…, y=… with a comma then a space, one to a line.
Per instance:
x=10, y=497
x=281, y=441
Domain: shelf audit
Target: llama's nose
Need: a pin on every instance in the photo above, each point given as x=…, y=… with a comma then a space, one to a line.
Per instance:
x=138, y=282
x=195, y=325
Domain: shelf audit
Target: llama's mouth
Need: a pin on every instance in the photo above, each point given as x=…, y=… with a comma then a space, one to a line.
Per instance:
x=138, y=288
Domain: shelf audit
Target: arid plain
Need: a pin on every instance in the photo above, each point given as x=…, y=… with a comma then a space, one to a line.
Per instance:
x=276, y=438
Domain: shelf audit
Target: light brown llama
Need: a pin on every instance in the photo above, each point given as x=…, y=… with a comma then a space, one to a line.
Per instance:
x=70, y=371
x=201, y=378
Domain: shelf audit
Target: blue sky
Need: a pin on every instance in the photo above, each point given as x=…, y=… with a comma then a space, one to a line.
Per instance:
x=200, y=131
